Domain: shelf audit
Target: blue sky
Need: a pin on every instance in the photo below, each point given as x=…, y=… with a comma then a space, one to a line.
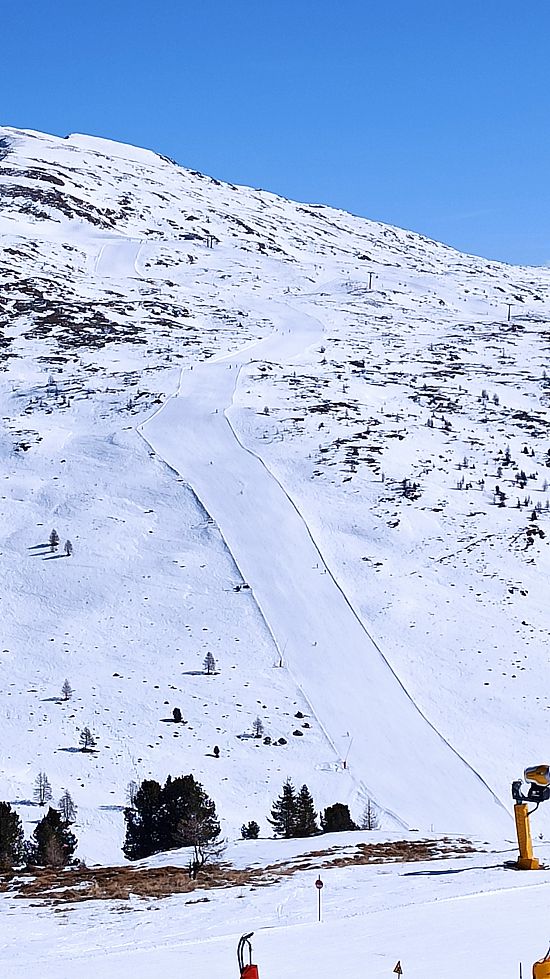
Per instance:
x=428, y=115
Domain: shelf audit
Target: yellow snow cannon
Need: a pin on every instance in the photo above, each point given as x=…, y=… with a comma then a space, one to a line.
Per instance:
x=541, y=969
x=538, y=779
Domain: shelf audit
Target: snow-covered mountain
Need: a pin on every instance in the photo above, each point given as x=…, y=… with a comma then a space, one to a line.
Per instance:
x=310, y=444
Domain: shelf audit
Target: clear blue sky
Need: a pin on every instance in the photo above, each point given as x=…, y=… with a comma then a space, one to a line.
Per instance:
x=431, y=114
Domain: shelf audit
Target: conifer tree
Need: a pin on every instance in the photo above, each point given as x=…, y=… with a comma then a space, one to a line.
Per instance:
x=257, y=727
x=370, y=818
x=67, y=808
x=54, y=842
x=209, y=664
x=180, y=813
x=54, y=540
x=250, y=831
x=306, y=817
x=142, y=821
x=42, y=789
x=337, y=819
x=11, y=837
x=87, y=740
x=283, y=813
x=66, y=690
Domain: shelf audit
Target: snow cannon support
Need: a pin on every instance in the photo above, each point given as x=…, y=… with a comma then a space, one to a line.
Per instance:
x=541, y=969
x=538, y=778
x=249, y=971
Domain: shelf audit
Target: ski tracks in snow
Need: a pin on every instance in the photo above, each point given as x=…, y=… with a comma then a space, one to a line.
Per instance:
x=401, y=761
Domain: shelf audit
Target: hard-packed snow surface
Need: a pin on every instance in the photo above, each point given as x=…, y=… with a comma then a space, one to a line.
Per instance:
x=312, y=445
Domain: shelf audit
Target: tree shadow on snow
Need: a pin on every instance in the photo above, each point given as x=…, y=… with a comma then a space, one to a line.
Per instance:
x=37, y=547
x=54, y=557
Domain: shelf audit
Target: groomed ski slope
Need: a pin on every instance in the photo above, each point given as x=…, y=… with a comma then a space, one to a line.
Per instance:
x=322, y=641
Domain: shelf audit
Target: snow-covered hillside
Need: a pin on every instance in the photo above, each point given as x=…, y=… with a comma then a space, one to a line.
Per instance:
x=207, y=387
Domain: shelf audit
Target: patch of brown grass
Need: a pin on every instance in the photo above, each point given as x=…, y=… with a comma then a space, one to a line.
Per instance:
x=76, y=884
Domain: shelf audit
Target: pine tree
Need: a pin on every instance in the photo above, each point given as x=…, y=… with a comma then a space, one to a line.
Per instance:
x=370, y=818
x=54, y=844
x=11, y=837
x=250, y=831
x=67, y=808
x=178, y=814
x=142, y=822
x=209, y=664
x=257, y=727
x=306, y=817
x=68, y=548
x=42, y=789
x=66, y=690
x=54, y=540
x=283, y=812
x=87, y=740
x=337, y=819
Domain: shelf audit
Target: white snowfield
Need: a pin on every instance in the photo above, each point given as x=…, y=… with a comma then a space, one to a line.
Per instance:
x=319, y=635
x=317, y=447
x=449, y=918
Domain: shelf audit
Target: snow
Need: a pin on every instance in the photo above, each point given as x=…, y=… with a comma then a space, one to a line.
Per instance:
x=254, y=413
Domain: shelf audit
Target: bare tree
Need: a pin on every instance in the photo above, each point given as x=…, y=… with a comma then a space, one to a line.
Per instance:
x=257, y=727
x=370, y=818
x=87, y=740
x=131, y=791
x=67, y=808
x=209, y=664
x=54, y=540
x=42, y=789
x=201, y=832
x=66, y=690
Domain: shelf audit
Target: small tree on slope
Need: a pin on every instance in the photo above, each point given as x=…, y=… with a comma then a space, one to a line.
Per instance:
x=306, y=818
x=54, y=842
x=283, y=813
x=42, y=789
x=67, y=808
x=337, y=819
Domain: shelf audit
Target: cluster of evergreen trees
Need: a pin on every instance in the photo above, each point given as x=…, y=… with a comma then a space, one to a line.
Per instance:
x=180, y=813
x=165, y=817
x=52, y=843
x=177, y=814
x=293, y=814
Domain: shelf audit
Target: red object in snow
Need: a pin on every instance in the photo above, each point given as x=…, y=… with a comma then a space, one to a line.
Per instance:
x=249, y=971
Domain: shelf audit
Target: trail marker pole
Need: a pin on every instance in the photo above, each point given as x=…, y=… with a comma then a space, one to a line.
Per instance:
x=319, y=885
